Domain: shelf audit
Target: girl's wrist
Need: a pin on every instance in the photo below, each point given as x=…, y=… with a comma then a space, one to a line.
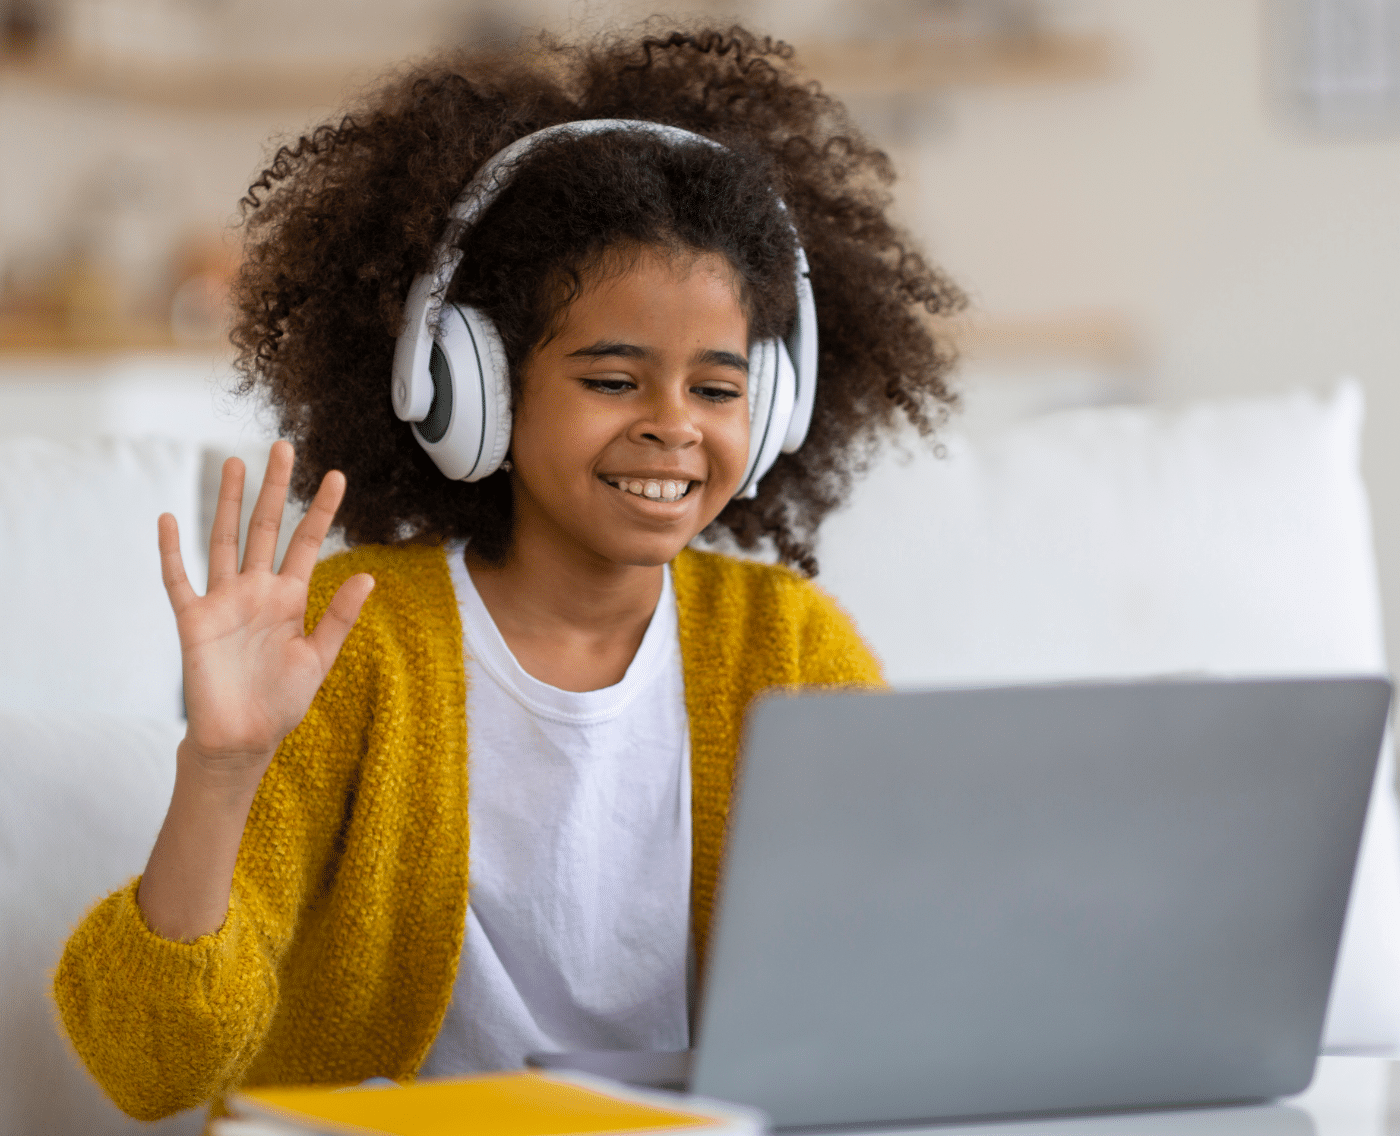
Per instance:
x=221, y=781
x=185, y=889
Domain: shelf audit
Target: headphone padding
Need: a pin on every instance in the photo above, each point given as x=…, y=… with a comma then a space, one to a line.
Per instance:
x=802, y=349
x=772, y=384
x=495, y=384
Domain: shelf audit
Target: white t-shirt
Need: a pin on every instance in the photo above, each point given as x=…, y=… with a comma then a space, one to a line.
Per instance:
x=578, y=923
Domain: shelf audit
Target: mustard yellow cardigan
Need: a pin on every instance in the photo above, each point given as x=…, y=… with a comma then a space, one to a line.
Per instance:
x=345, y=923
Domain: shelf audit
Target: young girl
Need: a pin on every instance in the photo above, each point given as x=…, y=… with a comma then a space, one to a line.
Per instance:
x=542, y=632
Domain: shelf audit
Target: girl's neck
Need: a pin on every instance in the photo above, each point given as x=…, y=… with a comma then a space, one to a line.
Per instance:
x=571, y=620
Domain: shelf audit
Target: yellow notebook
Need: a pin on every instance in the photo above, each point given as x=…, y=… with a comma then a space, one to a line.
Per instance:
x=491, y=1104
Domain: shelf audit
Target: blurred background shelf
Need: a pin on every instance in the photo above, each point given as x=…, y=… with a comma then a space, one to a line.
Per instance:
x=851, y=66
x=212, y=85
x=27, y=336
x=1098, y=337
x=931, y=63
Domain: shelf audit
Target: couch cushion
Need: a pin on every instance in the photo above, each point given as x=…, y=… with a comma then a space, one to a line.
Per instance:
x=1231, y=537
x=81, y=801
x=88, y=626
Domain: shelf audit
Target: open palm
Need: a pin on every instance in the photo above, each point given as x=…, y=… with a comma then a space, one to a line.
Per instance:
x=250, y=671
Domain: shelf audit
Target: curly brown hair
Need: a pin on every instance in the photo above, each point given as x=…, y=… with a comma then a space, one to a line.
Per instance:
x=342, y=221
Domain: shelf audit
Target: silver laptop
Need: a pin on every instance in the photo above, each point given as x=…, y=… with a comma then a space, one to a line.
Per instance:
x=994, y=902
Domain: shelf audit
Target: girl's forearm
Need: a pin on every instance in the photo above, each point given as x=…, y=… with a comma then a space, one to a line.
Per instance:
x=184, y=892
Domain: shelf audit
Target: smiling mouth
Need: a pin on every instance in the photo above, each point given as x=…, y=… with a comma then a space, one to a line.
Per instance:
x=654, y=489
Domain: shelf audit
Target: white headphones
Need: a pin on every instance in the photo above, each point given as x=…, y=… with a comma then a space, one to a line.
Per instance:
x=453, y=383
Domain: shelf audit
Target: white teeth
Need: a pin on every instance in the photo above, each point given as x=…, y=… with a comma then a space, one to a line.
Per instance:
x=654, y=489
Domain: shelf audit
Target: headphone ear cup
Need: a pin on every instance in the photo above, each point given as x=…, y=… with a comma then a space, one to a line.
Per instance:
x=772, y=391
x=466, y=430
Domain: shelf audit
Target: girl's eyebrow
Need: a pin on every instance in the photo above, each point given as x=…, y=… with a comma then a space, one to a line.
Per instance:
x=723, y=359
x=607, y=347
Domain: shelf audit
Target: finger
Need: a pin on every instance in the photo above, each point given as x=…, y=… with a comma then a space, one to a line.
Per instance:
x=172, y=564
x=301, y=554
x=266, y=522
x=223, y=539
x=339, y=617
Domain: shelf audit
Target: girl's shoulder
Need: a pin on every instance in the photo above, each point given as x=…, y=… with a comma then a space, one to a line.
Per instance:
x=769, y=611
x=396, y=562
x=715, y=579
x=412, y=594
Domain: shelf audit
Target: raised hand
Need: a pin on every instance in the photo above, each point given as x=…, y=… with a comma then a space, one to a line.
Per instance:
x=250, y=671
x=250, y=675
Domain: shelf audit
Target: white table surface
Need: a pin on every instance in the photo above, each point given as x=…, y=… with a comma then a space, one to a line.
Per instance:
x=1349, y=1096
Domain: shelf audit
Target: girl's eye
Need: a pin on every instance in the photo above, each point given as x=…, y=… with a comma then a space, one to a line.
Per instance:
x=609, y=386
x=716, y=394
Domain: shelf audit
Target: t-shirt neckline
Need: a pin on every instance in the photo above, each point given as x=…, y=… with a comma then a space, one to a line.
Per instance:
x=484, y=643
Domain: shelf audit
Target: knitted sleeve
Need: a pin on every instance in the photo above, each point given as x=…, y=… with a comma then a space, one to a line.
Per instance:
x=165, y=1026
x=747, y=627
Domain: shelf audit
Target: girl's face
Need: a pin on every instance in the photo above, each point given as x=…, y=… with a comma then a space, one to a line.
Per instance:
x=632, y=429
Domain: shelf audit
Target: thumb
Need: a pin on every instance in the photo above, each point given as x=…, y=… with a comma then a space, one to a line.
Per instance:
x=334, y=625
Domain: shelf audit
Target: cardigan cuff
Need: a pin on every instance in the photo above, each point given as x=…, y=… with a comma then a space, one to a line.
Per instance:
x=161, y=1025
x=138, y=950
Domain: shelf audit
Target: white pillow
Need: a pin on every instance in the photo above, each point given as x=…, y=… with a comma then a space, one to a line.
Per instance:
x=88, y=626
x=81, y=801
x=1229, y=537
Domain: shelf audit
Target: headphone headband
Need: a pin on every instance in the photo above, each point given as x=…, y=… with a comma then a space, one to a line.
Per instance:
x=415, y=384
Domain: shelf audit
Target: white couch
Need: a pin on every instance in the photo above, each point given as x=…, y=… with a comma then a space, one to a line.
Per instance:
x=1229, y=538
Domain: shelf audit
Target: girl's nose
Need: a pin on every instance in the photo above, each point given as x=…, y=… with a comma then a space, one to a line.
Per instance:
x=666, y=422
